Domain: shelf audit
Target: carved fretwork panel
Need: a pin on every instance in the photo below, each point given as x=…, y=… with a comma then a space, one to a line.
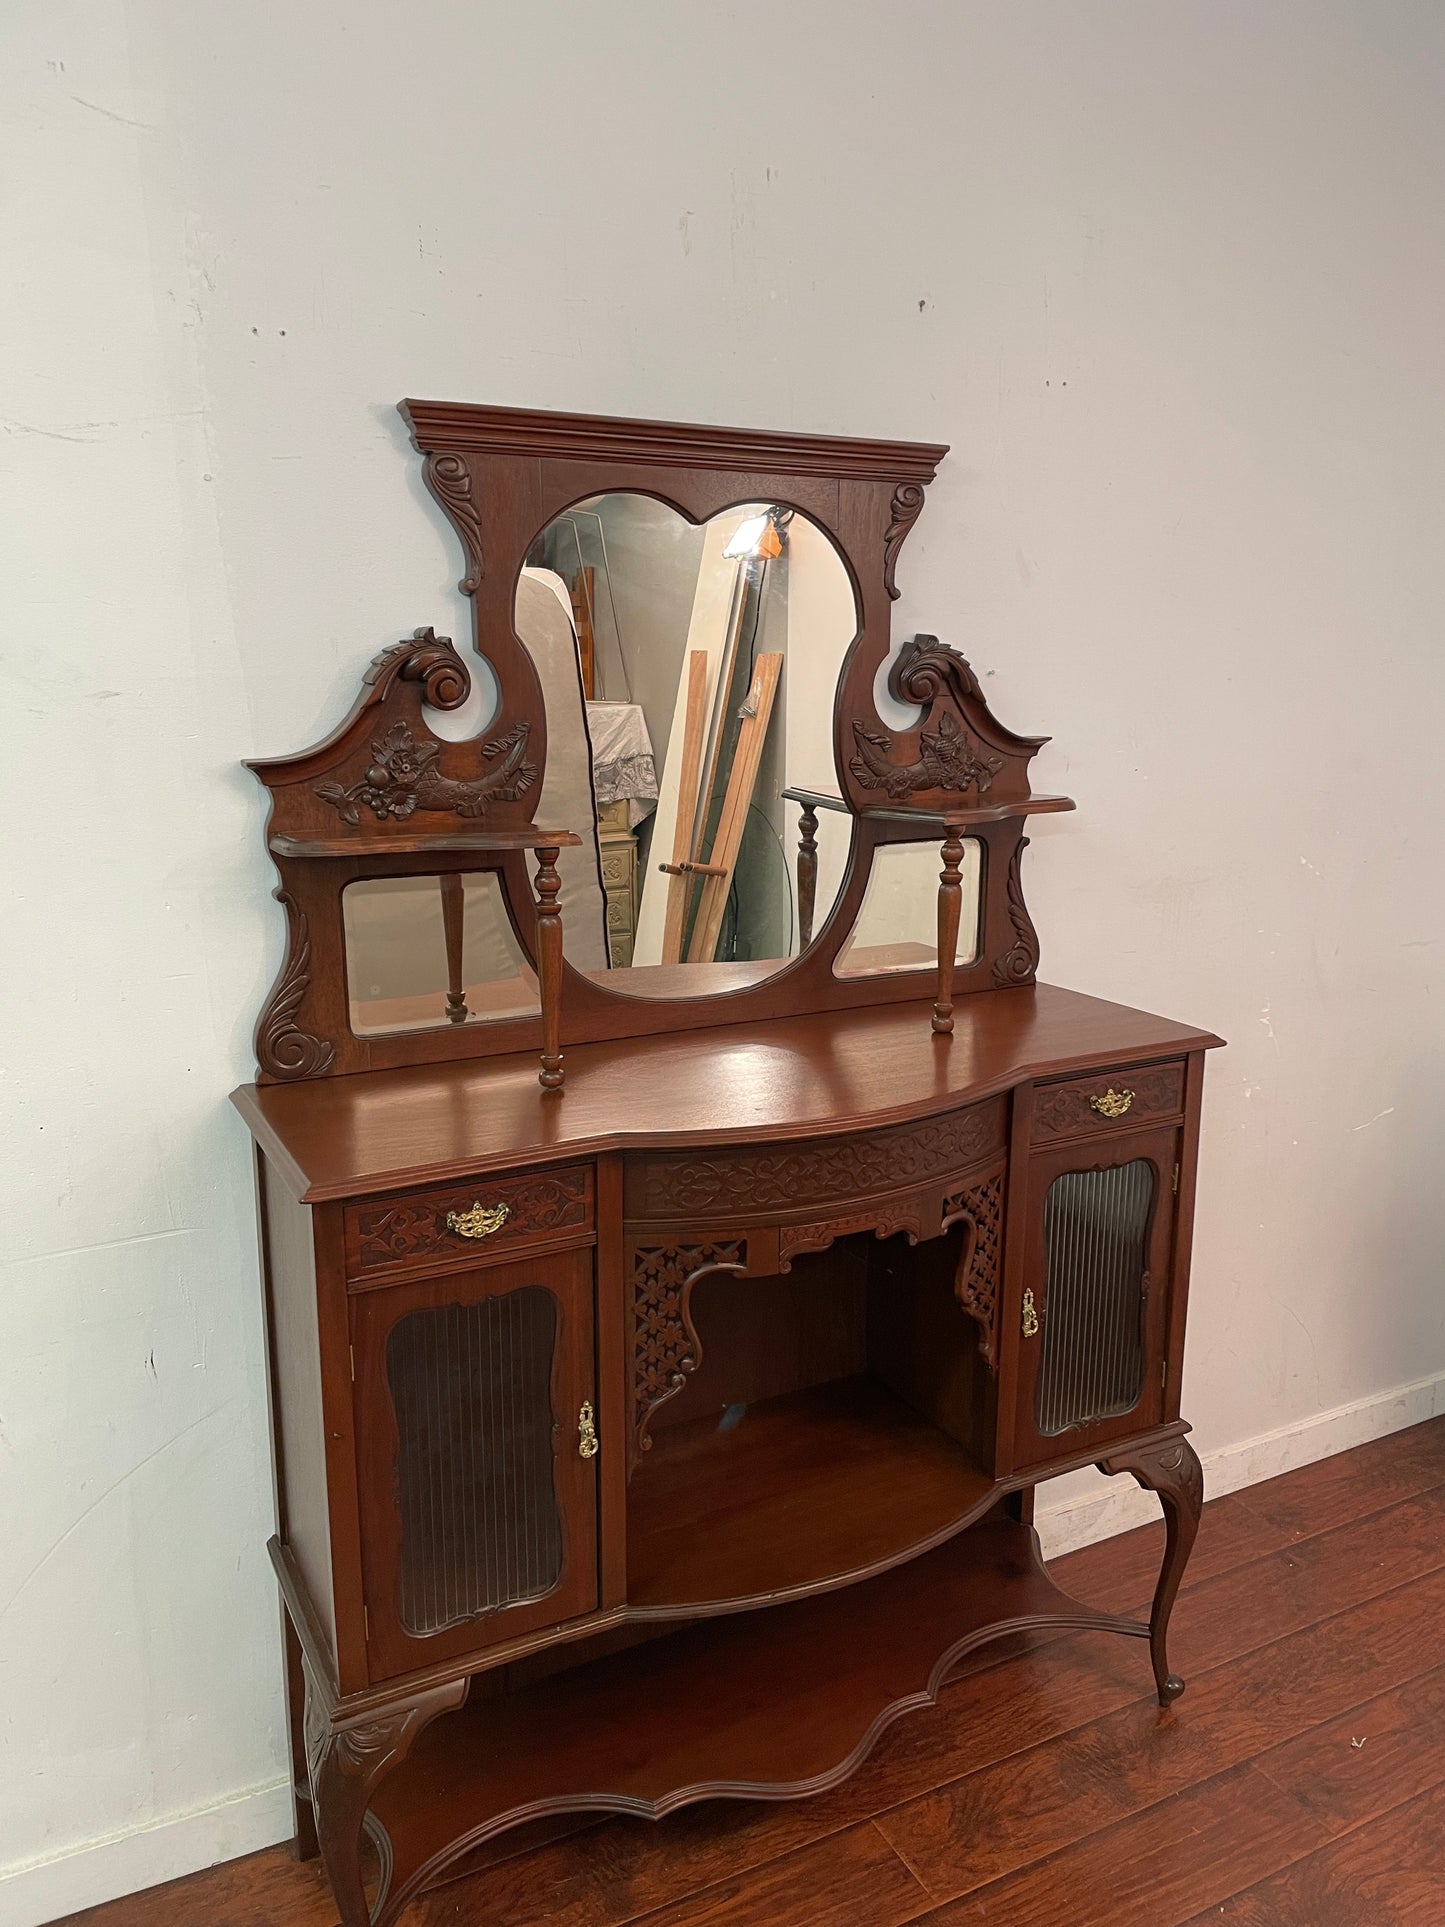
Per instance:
x=665, y=1346
x=978, y=1206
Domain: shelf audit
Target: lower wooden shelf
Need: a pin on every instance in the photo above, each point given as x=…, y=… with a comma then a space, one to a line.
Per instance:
x=767, y=1705
x=841, y=1478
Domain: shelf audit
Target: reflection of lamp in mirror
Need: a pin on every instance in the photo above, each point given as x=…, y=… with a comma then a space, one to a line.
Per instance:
x=760, y=535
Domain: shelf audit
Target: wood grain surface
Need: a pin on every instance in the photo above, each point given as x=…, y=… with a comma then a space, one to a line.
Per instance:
x=796, y=1078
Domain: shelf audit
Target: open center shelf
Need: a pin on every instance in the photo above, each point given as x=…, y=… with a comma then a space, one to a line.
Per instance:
x=802, y=1489
x=765, y=1705
x=838, y=1417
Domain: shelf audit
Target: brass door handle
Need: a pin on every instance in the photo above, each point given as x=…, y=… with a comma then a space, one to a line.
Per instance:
x=1031, y=1316
x=1112, y=1104
x=480, y=1222
x=587, y=1446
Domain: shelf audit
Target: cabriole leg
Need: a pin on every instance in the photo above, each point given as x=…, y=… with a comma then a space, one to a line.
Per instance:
x=346, y=1764
x=1174, y=1472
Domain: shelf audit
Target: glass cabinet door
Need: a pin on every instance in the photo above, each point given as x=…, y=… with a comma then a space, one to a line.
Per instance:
x=477, y=1451
x=1093, y=1319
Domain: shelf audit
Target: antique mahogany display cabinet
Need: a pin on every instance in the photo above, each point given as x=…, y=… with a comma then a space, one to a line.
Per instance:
x=665, y=1341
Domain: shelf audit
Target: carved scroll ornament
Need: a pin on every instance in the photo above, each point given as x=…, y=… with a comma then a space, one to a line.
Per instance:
x=450, y=481
x=902, y=514
x=1019, y=962
x=282, y=1048
x=665, y=1346
x=952, y=755
x=884, y=1221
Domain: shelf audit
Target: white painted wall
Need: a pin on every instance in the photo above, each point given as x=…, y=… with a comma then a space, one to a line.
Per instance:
x=1169, y=277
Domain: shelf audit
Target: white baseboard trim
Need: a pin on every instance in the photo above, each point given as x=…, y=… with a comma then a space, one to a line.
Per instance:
x=41, y=1891
x=1117, y=1505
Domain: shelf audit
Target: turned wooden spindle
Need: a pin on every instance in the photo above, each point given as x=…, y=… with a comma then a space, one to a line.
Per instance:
x=452, y=917
x=950, y=904
x=549, y=964
x=807, y=873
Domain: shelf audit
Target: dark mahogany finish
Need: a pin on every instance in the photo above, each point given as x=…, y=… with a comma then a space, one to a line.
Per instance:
x=667, y=1437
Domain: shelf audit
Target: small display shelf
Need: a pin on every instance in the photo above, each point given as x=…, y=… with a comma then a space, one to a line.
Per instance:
x=795, y=1492
x=811, y=801
x=767, y=1706
x=459, y=842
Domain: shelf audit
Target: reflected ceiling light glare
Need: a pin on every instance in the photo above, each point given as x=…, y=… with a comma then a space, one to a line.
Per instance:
x=757, y=536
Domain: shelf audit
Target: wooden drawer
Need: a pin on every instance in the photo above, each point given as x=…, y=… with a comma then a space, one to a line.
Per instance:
x=498, y=1216
x=1108, y=1101
x=769, y=1183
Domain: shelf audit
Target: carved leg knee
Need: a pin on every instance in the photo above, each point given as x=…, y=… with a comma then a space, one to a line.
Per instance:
x=1174, y=1472
x=346, y=1764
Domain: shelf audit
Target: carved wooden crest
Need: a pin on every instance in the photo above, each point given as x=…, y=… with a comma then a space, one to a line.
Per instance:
x=384, y=765
x=384, y=788
x=959, y=753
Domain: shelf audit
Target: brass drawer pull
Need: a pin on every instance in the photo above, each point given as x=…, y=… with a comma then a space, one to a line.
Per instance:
x=480, y=1222
x=587, y=1446
x=1112, y=1104
x=1031, y=1317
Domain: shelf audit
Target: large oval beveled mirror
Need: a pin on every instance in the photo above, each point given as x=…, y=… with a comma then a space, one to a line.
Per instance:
x=689, y=672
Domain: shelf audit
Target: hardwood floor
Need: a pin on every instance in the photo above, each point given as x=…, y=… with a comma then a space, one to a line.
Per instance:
x=1300, y=1782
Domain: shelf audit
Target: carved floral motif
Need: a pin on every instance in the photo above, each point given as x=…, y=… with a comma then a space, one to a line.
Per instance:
x=778, y=1177
x=403, y=777
x=665, y=1347
x=947, y=761
x=976, y=1284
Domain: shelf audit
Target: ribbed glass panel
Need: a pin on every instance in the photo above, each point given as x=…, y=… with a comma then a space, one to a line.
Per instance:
x=471, y=1389
x=1096, y=1230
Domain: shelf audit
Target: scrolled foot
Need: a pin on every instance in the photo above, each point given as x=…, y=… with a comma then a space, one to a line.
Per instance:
x=1174, y=1472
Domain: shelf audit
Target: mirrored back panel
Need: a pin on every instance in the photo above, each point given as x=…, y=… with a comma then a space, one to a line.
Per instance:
x=897, y=923
x=689, y=672
x=429, y=952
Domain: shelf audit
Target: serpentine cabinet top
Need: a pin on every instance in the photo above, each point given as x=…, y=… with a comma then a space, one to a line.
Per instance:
x=786, y=1078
